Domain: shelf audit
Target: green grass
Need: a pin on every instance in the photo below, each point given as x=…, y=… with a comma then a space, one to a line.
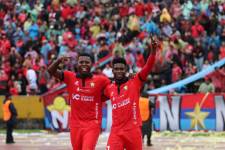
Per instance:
x=24, y=131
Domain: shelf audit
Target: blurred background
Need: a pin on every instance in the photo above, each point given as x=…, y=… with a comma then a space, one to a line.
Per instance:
x=33, y=33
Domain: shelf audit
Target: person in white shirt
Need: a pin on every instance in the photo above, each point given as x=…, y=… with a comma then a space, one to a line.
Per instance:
x=108, y=71
x=31, y=77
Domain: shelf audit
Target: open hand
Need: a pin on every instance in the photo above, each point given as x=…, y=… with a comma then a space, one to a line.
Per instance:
x=64, y=58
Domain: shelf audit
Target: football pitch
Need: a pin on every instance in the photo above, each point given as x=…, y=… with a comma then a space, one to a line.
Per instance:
x=160, y=140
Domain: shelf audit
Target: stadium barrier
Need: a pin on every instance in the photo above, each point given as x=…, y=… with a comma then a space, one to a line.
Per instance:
x=189, y=112
x=28, y=107
x=30, y=111
x=173, y=112
x=185, y=112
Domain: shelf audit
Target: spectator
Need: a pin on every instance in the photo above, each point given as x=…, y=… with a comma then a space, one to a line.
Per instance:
x=140, y=61
x=175, y=9
x=206, y=86
x=13, y=86
x=146, y=109
x=133, y=23
x=31, y=77
x=190, y=69
x=9, y=116
x=45, y=49
x=22, y=83
x=108, y=71
x=33, y=30
x=176, y=73
x=198, y=56
x=165, y=16
x=43, y=78
x=4, y=44
x=222, y=50
x=196, y=30
x=118, y=50
x=190, y=32
x=103, y=49
x=217, y=78
x=130, y=60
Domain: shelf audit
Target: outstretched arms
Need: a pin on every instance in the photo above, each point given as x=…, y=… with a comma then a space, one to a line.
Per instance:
x=150, y=62
x=52, y=69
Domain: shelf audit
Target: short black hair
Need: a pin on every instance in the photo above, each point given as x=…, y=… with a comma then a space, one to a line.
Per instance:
x=119, y=60
x=88, y=55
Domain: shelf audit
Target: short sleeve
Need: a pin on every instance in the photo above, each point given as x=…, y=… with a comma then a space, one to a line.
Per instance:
x=106, y=91
x=105, y=81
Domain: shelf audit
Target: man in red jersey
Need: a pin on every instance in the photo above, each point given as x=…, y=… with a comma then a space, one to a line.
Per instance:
x=85, y=94
x=124, y=94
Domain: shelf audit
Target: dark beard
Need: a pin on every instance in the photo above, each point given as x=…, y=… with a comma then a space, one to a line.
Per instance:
x=121, y=81
x=84, y=75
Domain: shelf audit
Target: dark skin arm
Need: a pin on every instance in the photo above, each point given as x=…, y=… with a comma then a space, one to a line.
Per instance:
x=152, y=52
x=154, y=45
x=151, y=59
x=53, y=68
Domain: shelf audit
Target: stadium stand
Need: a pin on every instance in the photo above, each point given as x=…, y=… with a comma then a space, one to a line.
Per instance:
x=33, y=33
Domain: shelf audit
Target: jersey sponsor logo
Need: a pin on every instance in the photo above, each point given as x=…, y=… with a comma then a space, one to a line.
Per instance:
x=76, y=97
x=121, y=96
x=112, y=95
x=82, y=98
x=76, y=83
x=126, y=87
x=82, y=90
x=92, y=84
x=96, y=110
x=134, y=111
x=121, y=104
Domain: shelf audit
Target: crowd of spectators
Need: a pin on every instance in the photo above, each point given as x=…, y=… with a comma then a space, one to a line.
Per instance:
x=35, y=32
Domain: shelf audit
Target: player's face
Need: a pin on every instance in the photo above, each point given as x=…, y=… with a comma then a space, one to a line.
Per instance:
x=119, y=71
x=84, y=64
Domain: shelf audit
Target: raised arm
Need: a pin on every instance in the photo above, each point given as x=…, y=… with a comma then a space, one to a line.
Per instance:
x=150, y=62
x=53, y=68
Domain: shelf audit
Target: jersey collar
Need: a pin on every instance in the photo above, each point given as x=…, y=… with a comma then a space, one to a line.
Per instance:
x=122, y=81
x=83, y=76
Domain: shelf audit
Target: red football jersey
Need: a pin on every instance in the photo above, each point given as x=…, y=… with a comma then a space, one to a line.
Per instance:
x=125, y=99
x=85, y=99
x=125, y=105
